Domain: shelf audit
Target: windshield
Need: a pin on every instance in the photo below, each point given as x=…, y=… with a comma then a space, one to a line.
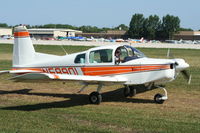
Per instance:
x=134, y=52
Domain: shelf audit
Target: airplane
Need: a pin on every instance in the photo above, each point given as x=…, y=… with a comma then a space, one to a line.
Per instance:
x=78, y=38
x=137, y=40
x=101, y=66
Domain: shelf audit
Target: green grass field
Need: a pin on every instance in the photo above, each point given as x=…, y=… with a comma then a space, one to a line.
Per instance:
x=55, y=107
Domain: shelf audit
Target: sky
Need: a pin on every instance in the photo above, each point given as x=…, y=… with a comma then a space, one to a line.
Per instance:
x=100, y=13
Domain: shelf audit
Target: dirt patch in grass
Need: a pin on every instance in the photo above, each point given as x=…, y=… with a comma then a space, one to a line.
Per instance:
x=6, y=56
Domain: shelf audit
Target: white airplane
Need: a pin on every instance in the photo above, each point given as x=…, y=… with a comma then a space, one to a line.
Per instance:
x=137, y=40
x=104, y=65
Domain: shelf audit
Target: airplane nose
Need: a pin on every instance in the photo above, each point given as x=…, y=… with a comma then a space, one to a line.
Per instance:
x=181, y=64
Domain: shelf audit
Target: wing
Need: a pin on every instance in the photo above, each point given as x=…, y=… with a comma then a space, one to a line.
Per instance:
x=4, y=72
x=61, y=77
x=17, y=71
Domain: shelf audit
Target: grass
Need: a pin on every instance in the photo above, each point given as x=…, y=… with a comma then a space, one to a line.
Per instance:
x=56, y=107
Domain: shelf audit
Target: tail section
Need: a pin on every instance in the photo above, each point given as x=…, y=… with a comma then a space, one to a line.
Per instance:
x=23, y=51
x=142, y=39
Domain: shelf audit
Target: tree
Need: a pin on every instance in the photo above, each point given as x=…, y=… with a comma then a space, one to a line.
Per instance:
x=3, y=25
x=90, y=29
x=170, y=25
x=122, y=27
x=136, y=26
x=151, y=26
x=185, y=29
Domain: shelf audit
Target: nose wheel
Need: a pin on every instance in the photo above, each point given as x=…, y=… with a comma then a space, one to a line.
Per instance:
x=159, y=98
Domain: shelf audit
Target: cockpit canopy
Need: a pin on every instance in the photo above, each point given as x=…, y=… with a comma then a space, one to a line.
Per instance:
x=108, y=55
x=129, y=53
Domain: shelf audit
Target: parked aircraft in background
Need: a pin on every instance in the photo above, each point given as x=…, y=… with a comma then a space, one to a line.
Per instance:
x=105, y=65
x=137, y=40
x=73, y=38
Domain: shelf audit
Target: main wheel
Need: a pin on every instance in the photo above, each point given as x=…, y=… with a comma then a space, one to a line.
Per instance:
x=129, y=91
x=95, y=98
x=132, y=91
x=158, y=98
x=126, y=91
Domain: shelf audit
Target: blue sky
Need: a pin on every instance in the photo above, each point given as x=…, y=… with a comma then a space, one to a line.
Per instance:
x=101, y=13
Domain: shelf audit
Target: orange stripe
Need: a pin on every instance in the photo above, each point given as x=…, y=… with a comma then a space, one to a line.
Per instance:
x=114, y=68
x=118, y=70
x=100, y=68
x=156, y=68
x=21, y=34
x=56, y=76
x=108, y=70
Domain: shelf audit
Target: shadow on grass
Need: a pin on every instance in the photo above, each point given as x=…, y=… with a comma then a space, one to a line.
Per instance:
x=75, y=99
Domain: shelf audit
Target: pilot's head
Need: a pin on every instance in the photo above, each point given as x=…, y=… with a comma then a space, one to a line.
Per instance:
x=117, y=52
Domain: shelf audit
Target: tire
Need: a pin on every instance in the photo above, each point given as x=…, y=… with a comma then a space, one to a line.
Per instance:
x=132, y=91
x=157, y=98
x=126, y=91
x=95, y=98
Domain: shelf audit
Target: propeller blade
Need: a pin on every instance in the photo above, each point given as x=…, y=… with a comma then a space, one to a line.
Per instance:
x=187, y=76
x=169, y=54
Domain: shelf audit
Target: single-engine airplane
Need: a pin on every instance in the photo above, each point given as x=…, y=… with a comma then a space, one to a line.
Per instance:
x=104, y=65
x=137, y=40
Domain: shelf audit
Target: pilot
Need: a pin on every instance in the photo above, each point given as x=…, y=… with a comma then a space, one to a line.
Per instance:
x=117, y=56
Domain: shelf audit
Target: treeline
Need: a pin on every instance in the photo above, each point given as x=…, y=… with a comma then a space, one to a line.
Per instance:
x=151, y=27
x=86, y=29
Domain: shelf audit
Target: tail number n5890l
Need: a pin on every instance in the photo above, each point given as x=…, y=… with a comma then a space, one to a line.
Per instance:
x=62, y=70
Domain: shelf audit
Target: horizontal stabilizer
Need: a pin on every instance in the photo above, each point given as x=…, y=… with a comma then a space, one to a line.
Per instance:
x=18, y=71
x=31, y=76
x=23, y=71
x=4, y=72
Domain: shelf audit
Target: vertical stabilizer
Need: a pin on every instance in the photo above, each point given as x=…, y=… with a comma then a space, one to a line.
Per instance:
x=23, y=51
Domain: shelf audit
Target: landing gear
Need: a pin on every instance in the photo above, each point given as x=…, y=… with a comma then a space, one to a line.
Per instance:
x=129, y=91
x=95, y=98
x=159, y=98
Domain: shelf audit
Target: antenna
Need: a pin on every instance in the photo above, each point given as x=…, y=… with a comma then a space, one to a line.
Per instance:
x=33, y=38
x=64, y=49
x=168, y=52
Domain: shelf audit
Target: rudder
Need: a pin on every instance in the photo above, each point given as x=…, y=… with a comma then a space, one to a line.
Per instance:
x=23, y=50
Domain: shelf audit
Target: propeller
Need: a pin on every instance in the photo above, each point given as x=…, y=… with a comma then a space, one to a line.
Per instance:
x=180, y=65
x=187, y=76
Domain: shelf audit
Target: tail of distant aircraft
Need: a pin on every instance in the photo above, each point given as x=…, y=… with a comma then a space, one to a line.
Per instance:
x=142, y=39
x=137, y=40
x=23, y=51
